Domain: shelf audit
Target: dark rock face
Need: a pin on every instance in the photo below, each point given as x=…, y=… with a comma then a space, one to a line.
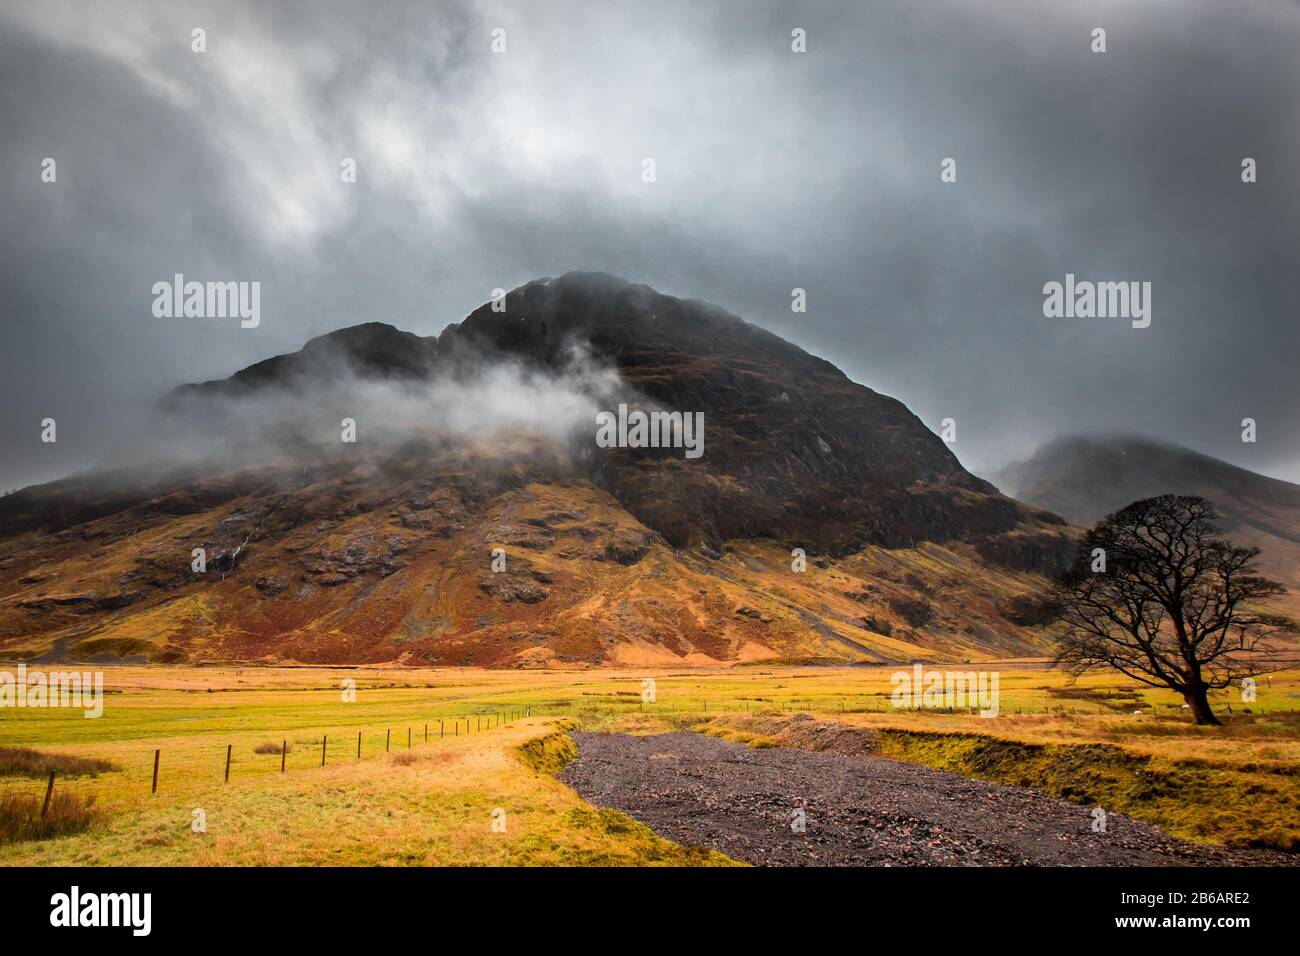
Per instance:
x=793, y=449
x=509, y=588
x=83, y=499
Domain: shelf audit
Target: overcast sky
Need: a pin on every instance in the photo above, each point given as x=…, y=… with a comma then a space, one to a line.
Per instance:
x=774, y=170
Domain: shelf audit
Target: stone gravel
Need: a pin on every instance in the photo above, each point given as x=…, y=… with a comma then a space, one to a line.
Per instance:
x=858, y=811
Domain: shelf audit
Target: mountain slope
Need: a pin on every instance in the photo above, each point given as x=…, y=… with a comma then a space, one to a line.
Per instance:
x=792, y=444
x=381, y=550
x=1086, y=478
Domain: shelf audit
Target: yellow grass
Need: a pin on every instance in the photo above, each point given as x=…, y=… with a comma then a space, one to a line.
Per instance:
x=434, y=804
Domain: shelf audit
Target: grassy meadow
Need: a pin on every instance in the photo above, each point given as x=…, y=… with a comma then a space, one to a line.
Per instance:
x=495, y=737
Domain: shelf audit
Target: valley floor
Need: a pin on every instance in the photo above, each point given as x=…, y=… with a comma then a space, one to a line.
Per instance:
x=483, y=789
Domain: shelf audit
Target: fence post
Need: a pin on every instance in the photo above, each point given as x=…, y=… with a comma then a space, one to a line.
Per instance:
x=324, y=739
x=408, y=738
x=156, y=755
x=49, y=792
x=388, y=741
x=229, y=747
x=358, y=745
x=440, y=729
x=284, y=749
x=426, y=733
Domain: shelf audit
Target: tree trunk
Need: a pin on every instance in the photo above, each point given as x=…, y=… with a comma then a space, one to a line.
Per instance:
x=1197, y=697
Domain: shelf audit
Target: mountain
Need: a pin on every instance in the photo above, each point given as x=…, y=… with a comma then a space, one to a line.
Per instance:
x=1086, y=478
x=372, y=349
x=484, y=438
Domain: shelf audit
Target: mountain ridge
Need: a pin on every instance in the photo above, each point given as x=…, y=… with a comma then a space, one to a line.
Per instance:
x=380, y=552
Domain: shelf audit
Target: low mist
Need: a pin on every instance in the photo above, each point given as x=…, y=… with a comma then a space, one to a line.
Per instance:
x=482, y=406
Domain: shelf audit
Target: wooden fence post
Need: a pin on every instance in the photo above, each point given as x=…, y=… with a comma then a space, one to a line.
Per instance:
x=323, y=741
x=49, y=792
x=156, y=755
x=440, y=730
x=229, y=747
x=388, y=741
x=284, y=749
x=426, y=733
x=358, y=745
x=408, y=738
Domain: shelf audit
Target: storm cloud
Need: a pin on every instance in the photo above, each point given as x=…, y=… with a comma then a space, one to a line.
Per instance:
x=774, y=170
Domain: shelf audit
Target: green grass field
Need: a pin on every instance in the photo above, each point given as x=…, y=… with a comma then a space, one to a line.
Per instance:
x=433, y=803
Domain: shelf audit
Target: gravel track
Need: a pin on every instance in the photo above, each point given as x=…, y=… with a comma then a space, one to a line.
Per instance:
x=859, y=811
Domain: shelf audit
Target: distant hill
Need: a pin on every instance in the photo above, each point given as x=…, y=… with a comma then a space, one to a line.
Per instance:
x=1085, y=478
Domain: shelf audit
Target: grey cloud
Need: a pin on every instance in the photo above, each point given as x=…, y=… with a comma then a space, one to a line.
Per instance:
x=775, y=170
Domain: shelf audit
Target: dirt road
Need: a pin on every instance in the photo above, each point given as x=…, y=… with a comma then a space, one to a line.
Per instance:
x=857, y=811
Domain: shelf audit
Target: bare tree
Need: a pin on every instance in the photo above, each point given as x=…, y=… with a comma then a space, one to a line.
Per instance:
x=1157, y=595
